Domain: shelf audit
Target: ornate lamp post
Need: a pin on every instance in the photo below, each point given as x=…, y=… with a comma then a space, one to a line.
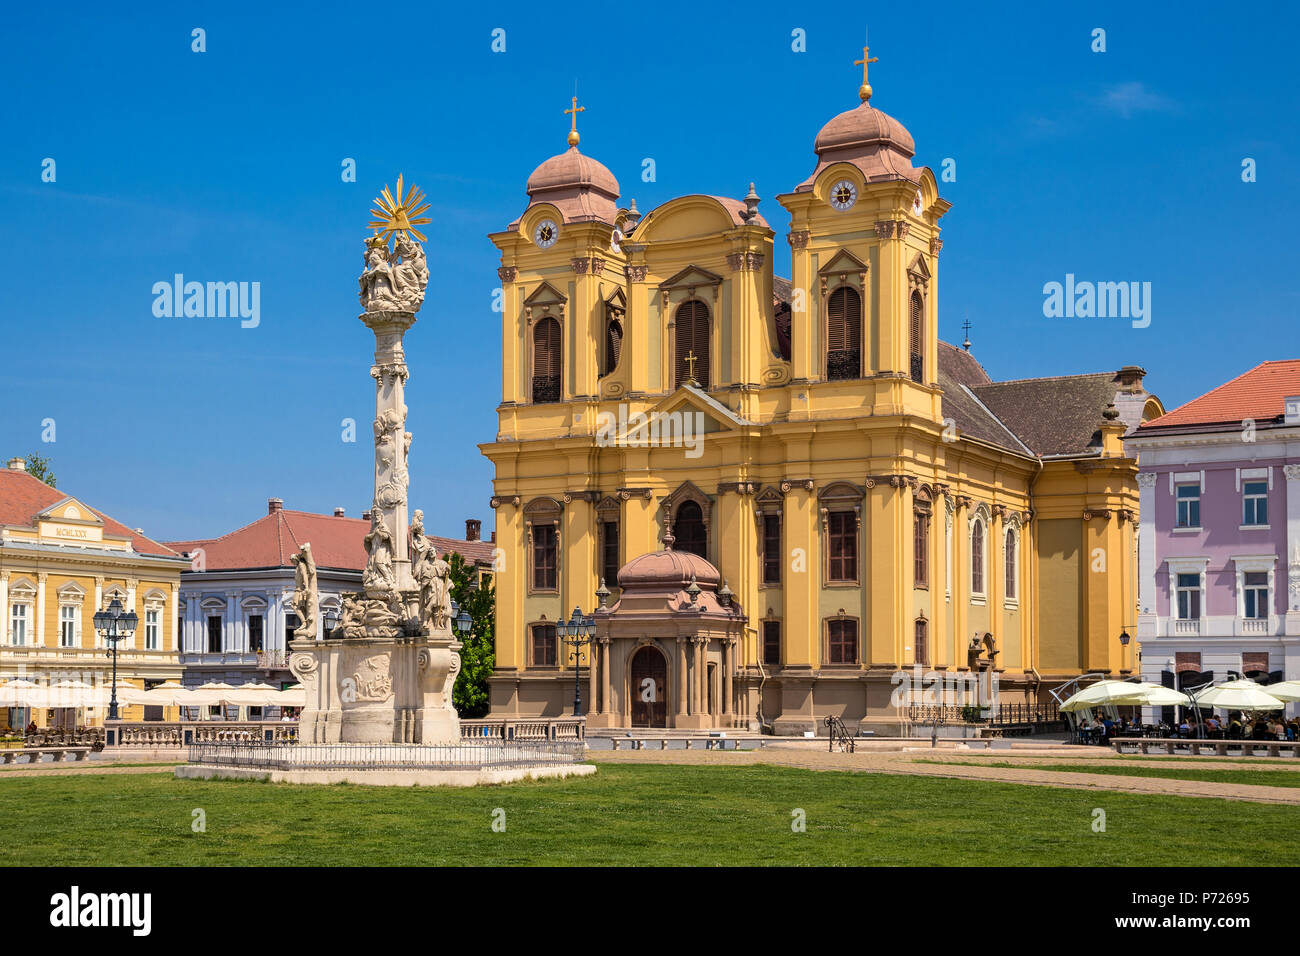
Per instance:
x=577, y=633
x=114, y=625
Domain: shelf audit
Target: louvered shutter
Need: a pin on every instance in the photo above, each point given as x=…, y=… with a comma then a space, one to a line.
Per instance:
x=692, y=325
x=546, y=361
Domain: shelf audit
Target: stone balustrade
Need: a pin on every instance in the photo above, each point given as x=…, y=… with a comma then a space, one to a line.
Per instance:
x=173, y=734
x=524, y=728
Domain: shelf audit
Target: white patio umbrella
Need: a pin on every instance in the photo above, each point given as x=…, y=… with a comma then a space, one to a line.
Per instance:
x=214, y=692
x=1239, y=695
x=295, y=696
x=1157, y=695
x=1287, y=690
x=127, y=695
x=23, y=693
x=168, y=694
x=1101, y=693
x=256, y=694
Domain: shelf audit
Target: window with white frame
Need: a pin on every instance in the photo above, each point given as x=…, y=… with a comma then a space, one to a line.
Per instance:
x=1255, y=594
x=19, y=614
x=1189, y=597
x=1010, y=557
x=68, y=625
x=153, y=629
x=1189, y=506
x=1254, y=503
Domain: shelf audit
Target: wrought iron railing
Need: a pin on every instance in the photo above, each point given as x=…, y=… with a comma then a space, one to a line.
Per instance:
x=917, y=368
x=546, y=388
x=843, y=363
x=289, y=756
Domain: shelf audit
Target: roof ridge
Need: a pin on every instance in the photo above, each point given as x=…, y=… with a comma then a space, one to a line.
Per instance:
x=1047, y=378
x=283, y=525
x=1005, y=427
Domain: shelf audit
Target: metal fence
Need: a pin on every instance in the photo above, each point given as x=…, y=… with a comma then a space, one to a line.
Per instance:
x=478, y=756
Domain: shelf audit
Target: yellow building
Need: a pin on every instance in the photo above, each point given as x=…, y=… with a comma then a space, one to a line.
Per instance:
x=60, y=562
x=871, y=499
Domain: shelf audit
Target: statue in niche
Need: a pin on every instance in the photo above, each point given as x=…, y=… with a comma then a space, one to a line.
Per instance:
x=305, y=594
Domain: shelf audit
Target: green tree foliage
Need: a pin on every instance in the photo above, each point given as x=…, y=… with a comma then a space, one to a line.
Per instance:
x=39, y=467
x=478, y=656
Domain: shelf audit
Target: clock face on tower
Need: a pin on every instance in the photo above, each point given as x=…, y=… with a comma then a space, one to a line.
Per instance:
x=546, y=233
x=843, y=195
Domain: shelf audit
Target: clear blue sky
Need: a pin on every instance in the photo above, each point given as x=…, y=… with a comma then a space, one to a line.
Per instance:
x=225, y=165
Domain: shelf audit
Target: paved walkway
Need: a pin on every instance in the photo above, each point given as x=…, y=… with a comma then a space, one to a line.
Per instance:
x=962, y=768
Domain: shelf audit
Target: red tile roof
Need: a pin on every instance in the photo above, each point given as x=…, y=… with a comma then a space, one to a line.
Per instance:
x=1257, y=394
x=23, y=497
x=270, y=541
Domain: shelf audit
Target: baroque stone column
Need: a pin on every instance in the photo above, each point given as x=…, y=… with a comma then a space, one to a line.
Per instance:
x=392, y=442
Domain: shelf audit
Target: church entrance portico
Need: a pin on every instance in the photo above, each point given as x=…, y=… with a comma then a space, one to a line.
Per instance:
x=667, y=655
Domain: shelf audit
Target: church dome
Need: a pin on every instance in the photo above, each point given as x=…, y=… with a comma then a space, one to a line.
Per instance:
x=668, y=570
x=862, y=128
x=579, y=186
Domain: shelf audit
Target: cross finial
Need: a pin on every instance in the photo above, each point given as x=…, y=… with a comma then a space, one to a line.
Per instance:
x=691, y=359
x=864, y=92
x=573, y=131
x=965, y=327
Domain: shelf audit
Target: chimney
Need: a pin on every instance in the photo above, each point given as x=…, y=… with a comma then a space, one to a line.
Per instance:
x=338, y=512
x=494, y=536
x=473, y=527
x=365, y=516
x=1130, y=378
x=273, y=505
x=17, y=464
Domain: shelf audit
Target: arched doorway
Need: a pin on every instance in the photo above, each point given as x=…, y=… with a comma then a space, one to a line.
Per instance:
x=648, y=688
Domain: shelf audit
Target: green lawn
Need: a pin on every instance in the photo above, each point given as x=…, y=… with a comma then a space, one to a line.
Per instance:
x=1259, y=778
x=630, y=815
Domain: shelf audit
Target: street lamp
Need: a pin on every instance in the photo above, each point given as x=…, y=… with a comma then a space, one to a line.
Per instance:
x=113, y=625
x=577, y=633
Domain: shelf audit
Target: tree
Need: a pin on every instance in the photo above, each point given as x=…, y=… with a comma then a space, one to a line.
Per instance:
x=39, y=467
x=478, y=655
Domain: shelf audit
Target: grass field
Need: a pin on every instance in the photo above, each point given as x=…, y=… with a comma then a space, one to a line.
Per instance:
x=629, y=815
x=1258, y=778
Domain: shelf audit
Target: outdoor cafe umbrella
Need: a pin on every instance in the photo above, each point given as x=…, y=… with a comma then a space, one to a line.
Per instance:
x=168, y=694
x=1156, y=695
x=255, y=694
x=1239, y=695
x=214, y=692
x=23, y=693
x=295, y=696
x=1101, y=693
x=1287, y=690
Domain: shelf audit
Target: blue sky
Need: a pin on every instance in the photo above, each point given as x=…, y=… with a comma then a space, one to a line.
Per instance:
x=225, y=166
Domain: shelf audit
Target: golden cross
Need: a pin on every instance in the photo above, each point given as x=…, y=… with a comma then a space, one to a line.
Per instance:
x=691, y=359
x=573, y=132
x=864, y=92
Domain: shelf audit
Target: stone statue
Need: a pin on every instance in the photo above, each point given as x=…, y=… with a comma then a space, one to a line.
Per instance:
x=304, y=593
x=354, y=613
x=435, y=592
x=379, y=577
x=390, y=285
x=412, y=276
x=421, y=546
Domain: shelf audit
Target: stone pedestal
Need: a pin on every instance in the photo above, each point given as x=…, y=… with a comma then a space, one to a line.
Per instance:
x=371, y=690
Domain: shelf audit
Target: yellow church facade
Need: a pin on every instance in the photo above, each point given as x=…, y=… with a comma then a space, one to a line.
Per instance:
x=873, y=503
x=61, y=561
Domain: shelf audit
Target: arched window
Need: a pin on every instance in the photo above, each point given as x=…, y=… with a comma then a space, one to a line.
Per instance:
x=916, y=338
x=689, y=530
x=977, y=557
x=546, y=360
x=844, y=334
x=613, y=344
x=692, y=337
x=920, y=648
x=1010, y=554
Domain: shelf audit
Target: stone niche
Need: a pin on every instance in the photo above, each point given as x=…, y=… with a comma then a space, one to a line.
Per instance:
x=378, y=689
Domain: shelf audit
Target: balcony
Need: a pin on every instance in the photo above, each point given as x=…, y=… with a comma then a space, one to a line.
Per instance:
x=843, y=363
x=1253, y=625
x=1188, y=628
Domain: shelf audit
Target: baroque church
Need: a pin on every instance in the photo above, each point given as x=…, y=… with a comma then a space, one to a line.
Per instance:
x=861, y=499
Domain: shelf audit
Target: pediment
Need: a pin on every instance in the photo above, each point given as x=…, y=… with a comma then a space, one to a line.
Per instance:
x=715, y=417
x=70, y=509
x=843, y=261
x=919, y=268
x=545, y=294
x=692, y=277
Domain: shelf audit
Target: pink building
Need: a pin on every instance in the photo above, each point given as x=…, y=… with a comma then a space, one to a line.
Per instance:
x=1219, y=532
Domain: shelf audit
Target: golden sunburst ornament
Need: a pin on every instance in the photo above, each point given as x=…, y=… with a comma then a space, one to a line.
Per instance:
x=402, y=215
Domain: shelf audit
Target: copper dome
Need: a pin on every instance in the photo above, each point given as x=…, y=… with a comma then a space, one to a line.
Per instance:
x=669, y=570
x=862, y=127
x=579, y=186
